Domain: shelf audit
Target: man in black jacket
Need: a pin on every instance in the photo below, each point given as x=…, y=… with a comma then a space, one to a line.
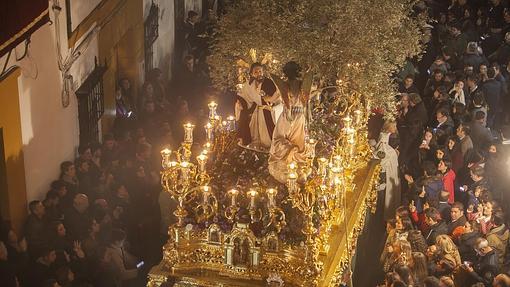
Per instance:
x=480, y=135
x=492, y=90
x=486, y=267
x=437, y=225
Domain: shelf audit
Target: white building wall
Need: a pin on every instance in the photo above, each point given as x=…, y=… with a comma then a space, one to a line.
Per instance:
x=195, y=5
x=165, y=43
x=50, y=132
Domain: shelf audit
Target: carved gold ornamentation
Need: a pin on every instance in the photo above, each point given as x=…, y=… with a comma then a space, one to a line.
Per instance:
x=333, y=196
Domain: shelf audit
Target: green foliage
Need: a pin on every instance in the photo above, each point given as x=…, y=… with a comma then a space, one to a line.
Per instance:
x=360, y=41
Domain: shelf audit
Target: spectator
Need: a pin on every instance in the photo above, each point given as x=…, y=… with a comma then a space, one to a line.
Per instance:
x=124, y=263
x=437, y=225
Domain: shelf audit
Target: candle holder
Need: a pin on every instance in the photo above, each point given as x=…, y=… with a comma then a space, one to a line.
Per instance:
x=231, y=123
x=212, y=111
x=254, y=211
x=276, y=216
x=165, y=155
x=208, y=207
x=232, y=209
x=209, y=134
x=188, y=133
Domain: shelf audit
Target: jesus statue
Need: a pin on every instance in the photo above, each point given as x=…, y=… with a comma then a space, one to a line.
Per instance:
x=288, y=143
x=256, y=107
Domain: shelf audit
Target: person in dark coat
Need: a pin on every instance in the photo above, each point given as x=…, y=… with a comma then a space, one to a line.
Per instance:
x=445, y=126
x=437, y=225
x=76, y=219
x=458, y=220
x=36, y=227
x=407, y=86
x=7, y=270
x=415, y=120
x=444, y=207
x=480, y=135
x=473, y=58
x=486, y=267
x=43, y=268
x=467, y=241
x=492, y=91
x=502, y=54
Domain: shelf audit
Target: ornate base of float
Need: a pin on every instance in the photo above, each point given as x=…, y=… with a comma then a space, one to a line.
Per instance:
x=238, y=258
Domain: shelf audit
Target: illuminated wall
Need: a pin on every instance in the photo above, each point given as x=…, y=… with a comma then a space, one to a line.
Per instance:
x=13, y=201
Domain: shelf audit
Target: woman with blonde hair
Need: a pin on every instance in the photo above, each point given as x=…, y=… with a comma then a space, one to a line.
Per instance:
x=400, y=253
x=448, y=256
x=389, y=166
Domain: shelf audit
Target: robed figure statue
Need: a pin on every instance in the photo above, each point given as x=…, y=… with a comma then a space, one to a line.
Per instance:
x=254, y=109
x=289, y=136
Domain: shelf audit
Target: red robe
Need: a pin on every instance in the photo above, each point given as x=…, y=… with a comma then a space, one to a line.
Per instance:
x=449, y=185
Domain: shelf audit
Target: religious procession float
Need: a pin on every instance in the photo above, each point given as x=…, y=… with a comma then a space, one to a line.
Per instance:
x=278, y=194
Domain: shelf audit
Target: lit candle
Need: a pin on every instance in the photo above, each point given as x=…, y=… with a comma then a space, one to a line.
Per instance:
x=201, y=159
x=233, y=194
x=271, y=193
x=188, y=133
x=292, y=182
x=212, y=110
x=207, y=147
x=252, y=193
x=209, y=132
x=292, y=166
x=224, y=125
x=165, y=154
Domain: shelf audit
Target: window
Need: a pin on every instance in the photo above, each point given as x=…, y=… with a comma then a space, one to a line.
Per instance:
x=151, y=34
x=91, y=105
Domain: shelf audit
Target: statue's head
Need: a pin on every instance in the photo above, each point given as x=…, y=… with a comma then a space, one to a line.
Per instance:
x=257, y=71
x=292, y=70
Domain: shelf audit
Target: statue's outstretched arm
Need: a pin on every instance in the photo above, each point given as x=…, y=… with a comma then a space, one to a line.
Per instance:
x=282, y=87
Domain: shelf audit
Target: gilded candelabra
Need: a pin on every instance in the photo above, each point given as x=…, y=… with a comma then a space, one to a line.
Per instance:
x=317, y=188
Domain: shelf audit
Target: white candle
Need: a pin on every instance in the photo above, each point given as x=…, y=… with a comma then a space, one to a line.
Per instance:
x=233, y=194
x=165, y=154
x=206, y=192
x=201, y=159
x=212, y=110
x=188, y=133
x=209, y=132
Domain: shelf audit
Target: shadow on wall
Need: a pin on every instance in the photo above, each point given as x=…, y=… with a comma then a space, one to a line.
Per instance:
x=49, y=131
x=13, y=196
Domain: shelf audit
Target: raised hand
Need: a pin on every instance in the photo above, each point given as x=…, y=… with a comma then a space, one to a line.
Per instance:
x=77, y=249
x=412, y=207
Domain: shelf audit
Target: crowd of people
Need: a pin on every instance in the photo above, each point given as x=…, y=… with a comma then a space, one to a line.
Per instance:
x=105, y=218
x=447, y=156
x=445, y=166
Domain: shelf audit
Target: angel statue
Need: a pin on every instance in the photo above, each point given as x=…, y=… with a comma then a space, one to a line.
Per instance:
x=288, y=143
